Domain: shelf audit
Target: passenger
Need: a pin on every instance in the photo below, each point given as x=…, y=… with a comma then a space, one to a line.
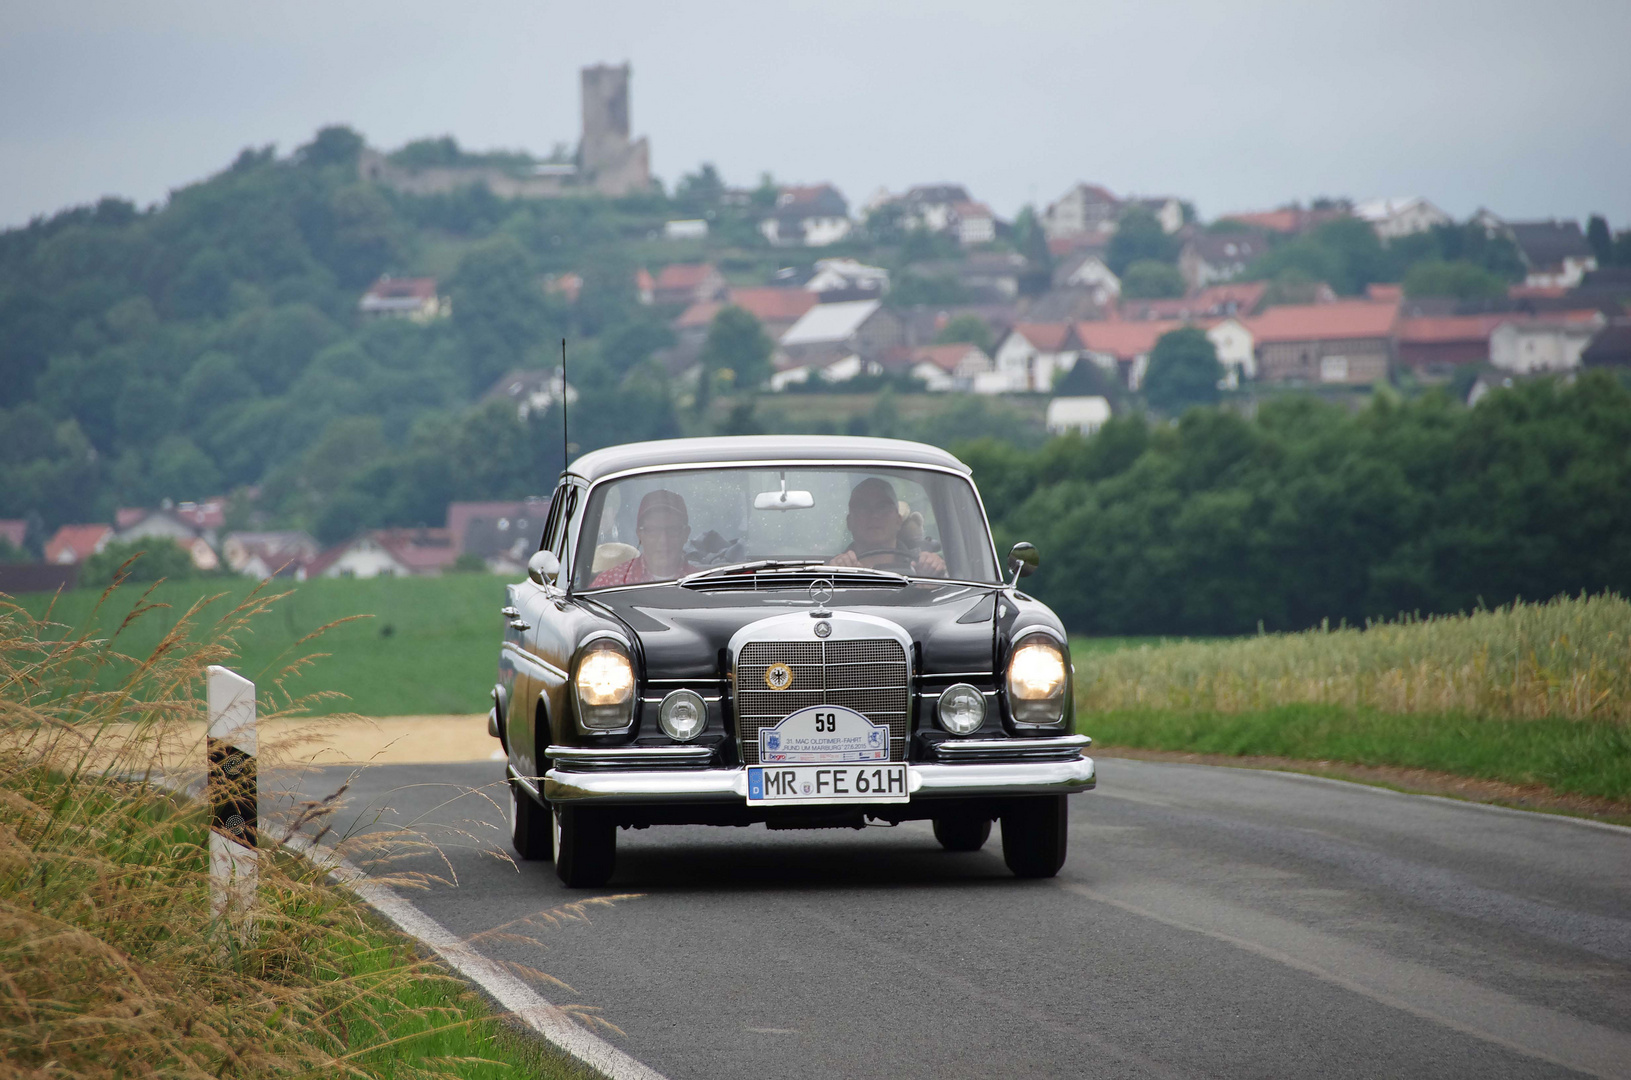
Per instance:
x=876, y=524
x=663, y=526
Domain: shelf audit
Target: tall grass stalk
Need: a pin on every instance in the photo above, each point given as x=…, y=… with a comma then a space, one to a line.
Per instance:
x=1568, y=657
x=108, y=966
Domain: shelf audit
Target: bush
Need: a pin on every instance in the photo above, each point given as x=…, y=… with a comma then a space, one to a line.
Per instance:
x=155, y=558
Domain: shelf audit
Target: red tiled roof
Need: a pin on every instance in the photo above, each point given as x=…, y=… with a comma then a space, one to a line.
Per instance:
x=1124, y=340
x=1441, y=329
x=80, y=541
x=418, y=550
x=684, y=275
x=945, y=357
x=209, y=514
x=389, y=288
x=698, y=315
x=1341, y=320
x=461, y=514
x=14, y=531
x=1064, y=245
x=126, y=516
x=1047, y=337
x=1536, y=292
x=1384, y=293
x=643, y=281
x=775, y=305
x=1272, y=220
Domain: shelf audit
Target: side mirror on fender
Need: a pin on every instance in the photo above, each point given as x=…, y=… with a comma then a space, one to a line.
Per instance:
x=543, y=567
x=1023, y=559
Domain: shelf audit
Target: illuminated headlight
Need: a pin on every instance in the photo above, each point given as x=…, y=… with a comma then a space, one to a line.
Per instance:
x=1036, y=682
x=682, y=715
x=961, y=709
x=605, y=687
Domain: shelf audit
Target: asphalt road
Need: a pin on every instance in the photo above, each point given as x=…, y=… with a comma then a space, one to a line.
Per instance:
x=1209, y=922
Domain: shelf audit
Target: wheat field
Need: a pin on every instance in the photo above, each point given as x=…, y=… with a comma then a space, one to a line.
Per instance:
x=1568, y=658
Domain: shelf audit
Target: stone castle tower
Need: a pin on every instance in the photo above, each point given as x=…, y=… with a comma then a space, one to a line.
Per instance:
x=608, y=160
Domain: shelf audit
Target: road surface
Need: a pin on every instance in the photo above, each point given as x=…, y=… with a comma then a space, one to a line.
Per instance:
x=1209, y=922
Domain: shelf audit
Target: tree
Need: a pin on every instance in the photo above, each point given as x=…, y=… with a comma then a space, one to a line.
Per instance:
x=156, y=557
x=736, y=343
x=1138, y=237
x=498, y=311
x=1457, y=280
x=1184, y=371
x=1151, y=280
x=965, y=327
x=1600, y=239
x=334, y=145
x=700, y=190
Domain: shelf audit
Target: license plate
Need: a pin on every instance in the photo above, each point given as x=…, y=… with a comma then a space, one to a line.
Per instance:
x=804, y=784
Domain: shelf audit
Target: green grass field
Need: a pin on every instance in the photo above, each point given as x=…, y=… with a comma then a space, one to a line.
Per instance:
x=427, y=645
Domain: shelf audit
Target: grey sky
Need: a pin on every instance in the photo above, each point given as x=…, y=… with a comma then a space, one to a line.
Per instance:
x=1236, y=104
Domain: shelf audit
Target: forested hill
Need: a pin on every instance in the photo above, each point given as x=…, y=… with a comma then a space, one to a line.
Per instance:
x=213, y=343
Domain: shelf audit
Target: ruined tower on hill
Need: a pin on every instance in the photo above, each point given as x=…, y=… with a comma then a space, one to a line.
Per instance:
x=608, y=161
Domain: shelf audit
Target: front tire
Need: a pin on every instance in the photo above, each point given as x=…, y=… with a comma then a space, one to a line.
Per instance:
x=963, y=832
x=1033, y=836
x=585, y=847
x=531, y=831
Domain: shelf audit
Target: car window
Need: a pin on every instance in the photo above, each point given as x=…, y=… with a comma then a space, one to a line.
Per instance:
x=660, y=525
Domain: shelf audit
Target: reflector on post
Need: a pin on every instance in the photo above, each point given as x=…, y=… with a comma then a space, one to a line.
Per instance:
x=233, y=792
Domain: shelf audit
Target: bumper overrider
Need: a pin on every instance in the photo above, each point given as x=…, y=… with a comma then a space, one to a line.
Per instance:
x=614, y=776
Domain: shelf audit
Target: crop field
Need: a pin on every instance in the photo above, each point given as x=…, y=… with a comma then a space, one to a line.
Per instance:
x=1528, y=694
x=414, y=646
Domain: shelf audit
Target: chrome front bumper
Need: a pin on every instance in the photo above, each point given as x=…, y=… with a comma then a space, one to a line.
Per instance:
x=611, y=787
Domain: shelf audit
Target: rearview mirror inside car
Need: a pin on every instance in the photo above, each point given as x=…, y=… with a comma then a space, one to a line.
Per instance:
x=783, y=500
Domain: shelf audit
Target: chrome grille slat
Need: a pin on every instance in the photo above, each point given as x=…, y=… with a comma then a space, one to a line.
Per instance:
x=869, y=676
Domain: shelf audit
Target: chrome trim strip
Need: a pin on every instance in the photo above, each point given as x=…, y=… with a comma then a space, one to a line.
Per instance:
x=634, y=757
x=531, y=660
x=730, y=785
x=1062, y=742
x=528, y=782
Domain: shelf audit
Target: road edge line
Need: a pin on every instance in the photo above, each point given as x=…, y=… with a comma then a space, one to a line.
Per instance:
x=525, y=1003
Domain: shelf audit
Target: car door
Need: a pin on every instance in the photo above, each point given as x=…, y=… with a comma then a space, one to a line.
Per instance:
x=534, y=669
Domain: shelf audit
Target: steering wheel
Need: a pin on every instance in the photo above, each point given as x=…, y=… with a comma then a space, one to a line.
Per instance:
x=902, y=556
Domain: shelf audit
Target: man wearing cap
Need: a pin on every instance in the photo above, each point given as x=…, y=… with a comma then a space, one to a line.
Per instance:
x=663, y=527
x=875, y=523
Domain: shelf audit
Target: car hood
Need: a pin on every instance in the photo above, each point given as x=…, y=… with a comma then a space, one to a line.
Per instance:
x=684, y=632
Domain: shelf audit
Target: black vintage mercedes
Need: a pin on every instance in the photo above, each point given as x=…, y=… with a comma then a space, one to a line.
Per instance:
x=809, y=632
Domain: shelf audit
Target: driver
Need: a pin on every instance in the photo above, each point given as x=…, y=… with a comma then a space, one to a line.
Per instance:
x=663, y=527
x=875, y=523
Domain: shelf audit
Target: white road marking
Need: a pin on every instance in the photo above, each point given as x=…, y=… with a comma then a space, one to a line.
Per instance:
x=1421, y=991
x=510, y=992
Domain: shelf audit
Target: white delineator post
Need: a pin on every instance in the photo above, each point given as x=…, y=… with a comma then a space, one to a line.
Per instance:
x=232, y=791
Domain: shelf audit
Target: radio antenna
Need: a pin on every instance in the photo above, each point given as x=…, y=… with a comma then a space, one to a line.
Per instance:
x=566, y=445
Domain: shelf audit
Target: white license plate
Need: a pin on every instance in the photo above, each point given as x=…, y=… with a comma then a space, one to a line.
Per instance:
x=803, y=784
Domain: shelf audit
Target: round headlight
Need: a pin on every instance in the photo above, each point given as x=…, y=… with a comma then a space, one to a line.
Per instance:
x=605, y=687
x=1036, y=682
x=961, y=709
x=682, y=715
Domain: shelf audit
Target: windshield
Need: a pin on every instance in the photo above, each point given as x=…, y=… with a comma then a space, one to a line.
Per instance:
x=663, y=525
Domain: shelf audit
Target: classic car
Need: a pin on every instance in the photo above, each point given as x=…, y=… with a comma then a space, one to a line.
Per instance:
x=799, y=631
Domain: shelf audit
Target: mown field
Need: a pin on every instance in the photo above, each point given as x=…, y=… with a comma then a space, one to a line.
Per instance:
x=421, y=645
x=1527, y=694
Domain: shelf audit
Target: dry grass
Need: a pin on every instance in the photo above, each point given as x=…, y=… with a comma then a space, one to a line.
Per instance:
x=1567, y=658
x=108, y=963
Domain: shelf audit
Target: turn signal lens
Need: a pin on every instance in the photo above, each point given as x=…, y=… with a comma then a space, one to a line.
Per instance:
x=961, y=709
x=682, y=715
x=605, y=686
x=1036, y=682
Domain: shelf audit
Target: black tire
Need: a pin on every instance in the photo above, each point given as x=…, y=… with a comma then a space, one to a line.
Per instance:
x=531, y=832
x=962, y=832
x=585, y=847
x=1033, y=836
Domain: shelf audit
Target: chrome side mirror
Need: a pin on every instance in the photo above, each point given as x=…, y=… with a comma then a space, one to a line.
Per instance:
x=1023, y=559
x=543, y=567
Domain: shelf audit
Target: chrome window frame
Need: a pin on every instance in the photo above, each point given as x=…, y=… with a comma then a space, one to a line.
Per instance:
x=575, y=526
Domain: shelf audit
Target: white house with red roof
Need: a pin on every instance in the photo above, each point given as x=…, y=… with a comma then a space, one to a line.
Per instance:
x=941, y=367
x=388, y=553
x=688, y=283
x=412, y=298
x=1028, y=357
x=76, y=543
x=1348, y=342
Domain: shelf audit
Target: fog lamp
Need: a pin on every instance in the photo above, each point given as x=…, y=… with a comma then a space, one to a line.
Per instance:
x=682, y=715
x=605, y=687
x=961, y=709
x=1036, y=682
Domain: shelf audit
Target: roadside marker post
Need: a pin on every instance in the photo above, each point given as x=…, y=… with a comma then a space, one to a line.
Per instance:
x=233, y=792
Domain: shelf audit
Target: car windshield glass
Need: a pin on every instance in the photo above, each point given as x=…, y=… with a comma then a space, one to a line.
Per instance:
x=661, y=526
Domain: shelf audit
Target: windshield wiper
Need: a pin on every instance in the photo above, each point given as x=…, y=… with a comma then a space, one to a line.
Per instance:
x=750, y=567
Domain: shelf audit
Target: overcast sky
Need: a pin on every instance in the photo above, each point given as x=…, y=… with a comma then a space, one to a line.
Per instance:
x=1236, y=104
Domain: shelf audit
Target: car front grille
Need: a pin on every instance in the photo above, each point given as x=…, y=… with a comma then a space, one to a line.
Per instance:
x=868, y=676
